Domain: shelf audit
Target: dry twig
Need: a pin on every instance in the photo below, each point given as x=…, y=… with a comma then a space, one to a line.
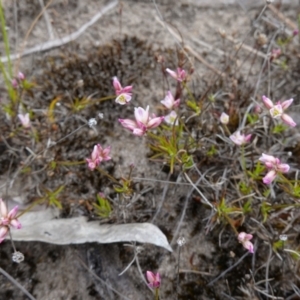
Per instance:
x=282, y=17
x=62, y=41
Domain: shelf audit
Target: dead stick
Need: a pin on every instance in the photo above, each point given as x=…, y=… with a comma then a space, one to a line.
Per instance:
x=243, y=46
x=282, y=17
x=189, y=49
x=202, y=60
x=60, y=42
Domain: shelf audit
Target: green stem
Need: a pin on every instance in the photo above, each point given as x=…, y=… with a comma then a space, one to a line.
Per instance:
x=285, y=180
x=243, y=161
x=7, y=76
x=109, y=176
x=31, y=206
x=70, y=163
x=230, y=223
x=156, y=294
x=188, y=91
x=5, y=39
x=103, y=99
x=227, y=130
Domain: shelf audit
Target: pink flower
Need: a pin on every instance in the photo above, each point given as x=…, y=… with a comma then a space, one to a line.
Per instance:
x=7, y=219
x=153, y=279
x=257, y=109
x=277, y=111
x=224, y=118
x=142, y=122
x=274, y=165
x=172, y=118
x=169, y=101
x=14, y=83
x=98, y=155
x=24, y=120
x=240, y=139
x=124, y=94
x=245, y=238
x=180, y=75
x=275, y=53
x=21, y=76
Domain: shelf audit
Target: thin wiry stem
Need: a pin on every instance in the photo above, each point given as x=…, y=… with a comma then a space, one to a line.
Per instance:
x=161, y=181
x=264, y=64
x=268, y=295
x=267, y=268
x=47, y=19
x=200, y=193
x=228, y=270
x=183, y=213
x=101, y=280
x=195, y=272
x=178, y=265
x=228, y=296
x=61, y=41
x=17, y=284
x=163, y=197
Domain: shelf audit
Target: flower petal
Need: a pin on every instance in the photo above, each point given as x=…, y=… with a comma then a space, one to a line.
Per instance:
x=172, y=73
x=248, y=237
x=247, y=138
x=127, y=89
x=15, y=224
x=283, y=168
x=91, y=164
x=153, y=279
x=3, y=233
x=155, y=122
x=271, y=175
x=249, y=246
x=285, y=104
x=95, y=152
x=181, y=74
x=288, y=120
x=128, y=124
x=172, y=118
x=139, y=131
x=3, y=209
x=267, y=102
x=123, y=98
x=241, y=236
x=168, y=102
x=25, y=120
x=13, y=213
x=237, y=138
x=117, y=85
x=265, y=158
x=150, y=276
x=276, y=111
x=224, y=118
x=141, y=115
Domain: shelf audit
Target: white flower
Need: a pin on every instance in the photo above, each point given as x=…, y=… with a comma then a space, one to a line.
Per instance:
x=172, y=118
x=224, y=118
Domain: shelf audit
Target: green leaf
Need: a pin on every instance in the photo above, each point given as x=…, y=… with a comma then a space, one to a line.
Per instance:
x=279, y=128
x=278, y=245
x=245, y=188
x=247, y=207
x=252, y=118
x=212, y=151
x=265, y=210
x=194, y=106
x=103, y=208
